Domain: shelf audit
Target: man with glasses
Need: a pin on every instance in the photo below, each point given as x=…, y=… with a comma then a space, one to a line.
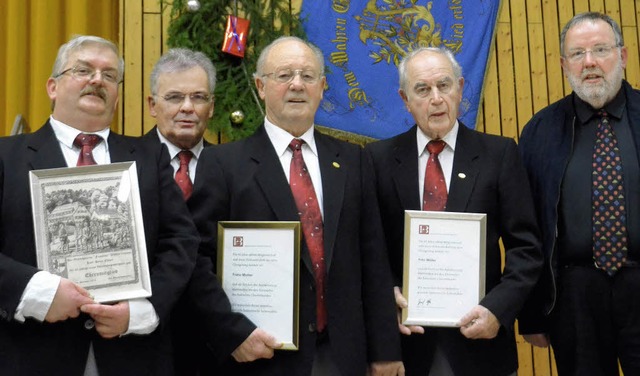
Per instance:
x=474, y=173
x=347, y=315
x=181, y=100
x=582, y=155
x=51, y=325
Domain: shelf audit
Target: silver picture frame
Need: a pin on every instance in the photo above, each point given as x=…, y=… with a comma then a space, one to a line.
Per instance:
x=89, y=229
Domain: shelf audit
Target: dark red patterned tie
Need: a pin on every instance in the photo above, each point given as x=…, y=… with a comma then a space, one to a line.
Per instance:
x=435, y=187
x=312, y=227
x=182, y=175
x=608, y=203
x=86, y=143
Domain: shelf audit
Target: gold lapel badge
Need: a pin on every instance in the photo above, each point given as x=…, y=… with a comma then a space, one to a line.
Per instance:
x=336, y=164
x=462, y=175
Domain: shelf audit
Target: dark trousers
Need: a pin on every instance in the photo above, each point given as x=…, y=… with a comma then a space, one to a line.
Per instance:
x=596, y=322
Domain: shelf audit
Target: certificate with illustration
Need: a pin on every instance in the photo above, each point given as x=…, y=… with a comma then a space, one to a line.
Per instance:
x=259, y=266
x=88, y=228
x=444, y=266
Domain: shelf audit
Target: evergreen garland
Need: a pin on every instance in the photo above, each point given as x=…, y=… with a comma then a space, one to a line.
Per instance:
x=203, y=30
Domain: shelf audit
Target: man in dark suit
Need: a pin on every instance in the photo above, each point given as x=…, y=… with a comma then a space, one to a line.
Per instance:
x=349, y=323
x=204, y=330
x=586, y=302
x=483, y=174
x=50, y=325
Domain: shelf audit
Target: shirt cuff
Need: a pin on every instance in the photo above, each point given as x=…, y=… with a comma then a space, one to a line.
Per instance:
x=37, y=296
x=142, y=317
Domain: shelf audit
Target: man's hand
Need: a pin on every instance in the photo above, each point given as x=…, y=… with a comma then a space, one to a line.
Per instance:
x=401, y=302
x=539, y=340
x=386, y=369
x=111, y=320
x=67, y=301
x=479, y=323
x=258, y=345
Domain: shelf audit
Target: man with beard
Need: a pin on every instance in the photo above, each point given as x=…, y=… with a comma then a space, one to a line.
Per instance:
x=581, y=154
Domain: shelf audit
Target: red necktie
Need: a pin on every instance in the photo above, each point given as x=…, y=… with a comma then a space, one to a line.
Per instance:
x=182, y=175
x=86, y=143
x=312, y=227
x=435, y=187
x=608, y=202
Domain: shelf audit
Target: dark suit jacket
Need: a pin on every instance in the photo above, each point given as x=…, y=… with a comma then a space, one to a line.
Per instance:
x=34, y=348
x=244, y=180
x=494, y=183
x=204, y=329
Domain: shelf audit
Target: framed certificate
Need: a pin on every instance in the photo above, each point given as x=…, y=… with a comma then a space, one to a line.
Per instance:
x=444, y=266
x=259, y=267
x=88, y=228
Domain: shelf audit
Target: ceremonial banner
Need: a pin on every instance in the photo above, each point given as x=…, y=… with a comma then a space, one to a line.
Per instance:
x=363, y=42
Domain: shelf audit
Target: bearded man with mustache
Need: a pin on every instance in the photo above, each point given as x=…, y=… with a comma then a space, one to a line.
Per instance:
x=586, y=304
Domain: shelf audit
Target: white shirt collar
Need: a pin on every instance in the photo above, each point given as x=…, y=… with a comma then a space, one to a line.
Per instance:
x=174, y=150
x=449, y=138
x=67, y=134
x=281, y=138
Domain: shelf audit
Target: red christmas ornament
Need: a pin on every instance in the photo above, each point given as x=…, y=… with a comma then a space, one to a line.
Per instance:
x=235, y=36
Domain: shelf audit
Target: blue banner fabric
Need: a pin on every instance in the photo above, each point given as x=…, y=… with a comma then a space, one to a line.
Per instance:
x=364, y=41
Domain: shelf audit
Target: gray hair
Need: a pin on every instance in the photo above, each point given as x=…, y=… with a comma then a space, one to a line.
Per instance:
x=591, y=17
x=78, y=42
x=402, y=67
x=181, y=59
x=265, y=52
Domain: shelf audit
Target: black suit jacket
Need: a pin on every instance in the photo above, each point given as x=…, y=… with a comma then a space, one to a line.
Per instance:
x=204, y=329
x=487, y=177
x=244, y=180
x=32, y=347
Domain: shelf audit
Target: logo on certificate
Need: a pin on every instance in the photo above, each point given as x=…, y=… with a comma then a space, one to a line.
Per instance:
x=423, y=229
x=238, y=241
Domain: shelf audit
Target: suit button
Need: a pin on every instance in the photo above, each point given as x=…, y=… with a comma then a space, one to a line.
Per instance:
x=311, y=287
x=89, y=324
x=312, y=327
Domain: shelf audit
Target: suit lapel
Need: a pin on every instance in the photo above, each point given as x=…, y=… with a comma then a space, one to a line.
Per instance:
x=120, y=149
x=45, y=149
x=406, y=171
x=333, y=170
x=272, y=181
x=466, y=166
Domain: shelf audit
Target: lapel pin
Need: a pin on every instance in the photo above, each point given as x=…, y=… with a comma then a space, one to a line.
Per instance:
x=336, y=164
x=462, y=175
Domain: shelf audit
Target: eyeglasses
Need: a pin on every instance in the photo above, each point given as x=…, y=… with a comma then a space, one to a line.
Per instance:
x=284, y=76
x=195, y=98
x=423, y=90
x=83, y=72
x=600, y=52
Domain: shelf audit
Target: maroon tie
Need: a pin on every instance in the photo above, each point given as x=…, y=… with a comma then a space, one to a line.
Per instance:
x=182, y=175
x=312, y=227
x=435, y=187
x=86, y=143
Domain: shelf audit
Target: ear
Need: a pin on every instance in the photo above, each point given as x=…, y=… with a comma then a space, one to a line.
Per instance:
x=324, y=86
x=260, y=87
x=52, y=85
x=563, y=64
x=213, y=105
x=623, y=56
x=461, y=84
x=405, y=99
x=151, y=102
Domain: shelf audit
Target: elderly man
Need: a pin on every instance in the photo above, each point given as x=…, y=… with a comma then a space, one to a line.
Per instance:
x=475, y=173
x=50, y=325
x=347, y=317
x=582, y=155
x=205, y=331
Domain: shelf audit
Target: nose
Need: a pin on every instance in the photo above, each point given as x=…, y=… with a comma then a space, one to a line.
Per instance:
x=436, y=97
x=589, y=59
x=296, y=82
x=187, y=105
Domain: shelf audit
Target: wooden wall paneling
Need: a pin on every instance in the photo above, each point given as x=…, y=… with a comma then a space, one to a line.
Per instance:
x=629, y=26
x=506, y=79
x=490, y=104
x=565, y=13
x=555, y=79
x=537, y=57
x=132, y=52
x=522, y=70
x=579, y=6
x=596, y=6
x=152, y=51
